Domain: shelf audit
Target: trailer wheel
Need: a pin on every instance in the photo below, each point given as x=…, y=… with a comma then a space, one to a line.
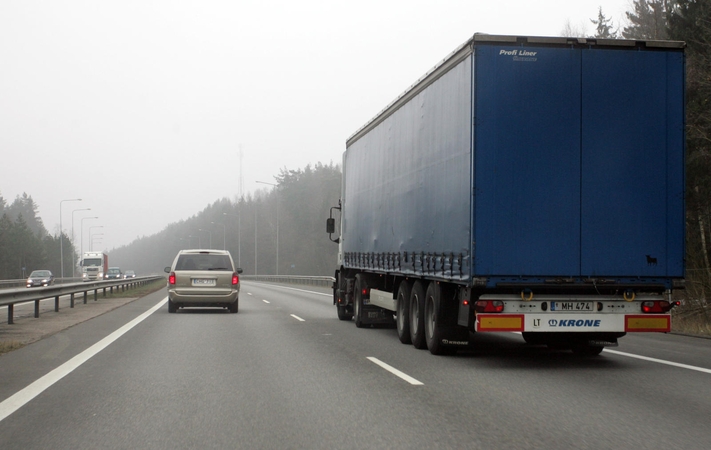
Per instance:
x=344, y=312
x=586, y=350
x=434, y=328
x=402, y=316
x=417, y=315
x=358, y=303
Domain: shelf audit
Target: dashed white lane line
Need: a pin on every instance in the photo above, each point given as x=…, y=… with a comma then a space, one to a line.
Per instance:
x=265, y=301
x=395, y=372
x=297, y=318
x=20, y=398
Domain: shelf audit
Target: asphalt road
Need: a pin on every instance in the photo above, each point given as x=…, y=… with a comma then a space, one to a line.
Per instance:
x=286, y=373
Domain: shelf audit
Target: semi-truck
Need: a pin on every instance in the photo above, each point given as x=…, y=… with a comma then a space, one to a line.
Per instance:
x=94, y=266
x=525, y=184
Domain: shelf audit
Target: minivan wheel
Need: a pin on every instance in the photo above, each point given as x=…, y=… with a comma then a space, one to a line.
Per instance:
x=172, y=307
x=234, y=306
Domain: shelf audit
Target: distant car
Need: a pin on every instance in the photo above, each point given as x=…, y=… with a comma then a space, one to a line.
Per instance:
x=113, y=273
x=40, y=278
x=203, y=278
x=129, y=274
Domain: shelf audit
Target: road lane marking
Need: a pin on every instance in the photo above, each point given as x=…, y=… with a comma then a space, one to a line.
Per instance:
x=22, y=397
x=297, y=318
x=265, y=301
x=395, y=372
x=659, y=361
x=249, y=293
x=301, y=290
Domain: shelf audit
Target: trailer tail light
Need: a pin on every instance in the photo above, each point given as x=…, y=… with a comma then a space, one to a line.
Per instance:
x=171, y=278
x=489, y=306
x=235, y=279
x=658, y=306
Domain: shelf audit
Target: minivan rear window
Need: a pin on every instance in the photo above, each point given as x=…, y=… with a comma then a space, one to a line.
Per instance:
x=204, y=262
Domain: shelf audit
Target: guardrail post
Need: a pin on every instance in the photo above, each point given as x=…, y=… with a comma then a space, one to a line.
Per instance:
x=96, y=294
x=71, y=300
x=37, y=309
x=103, y=292
x=10, y=313
x=56, y=303
x=85, y=296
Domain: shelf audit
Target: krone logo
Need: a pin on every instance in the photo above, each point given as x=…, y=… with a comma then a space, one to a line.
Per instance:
x=553, y=323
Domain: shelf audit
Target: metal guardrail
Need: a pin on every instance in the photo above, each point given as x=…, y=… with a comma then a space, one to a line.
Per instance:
x=10, y=297
x=291, y=279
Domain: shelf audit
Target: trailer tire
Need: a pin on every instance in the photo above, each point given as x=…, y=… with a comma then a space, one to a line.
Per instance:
x=402, y=313
x=435, y=330
x=417, y=315
x=344, y=313
x=586, y=350
x=358, y=303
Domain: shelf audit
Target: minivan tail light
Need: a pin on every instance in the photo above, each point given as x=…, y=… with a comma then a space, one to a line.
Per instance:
x=171, y=278
x=235, y=278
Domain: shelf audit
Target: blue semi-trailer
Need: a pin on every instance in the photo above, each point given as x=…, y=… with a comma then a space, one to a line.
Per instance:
x=524, y=184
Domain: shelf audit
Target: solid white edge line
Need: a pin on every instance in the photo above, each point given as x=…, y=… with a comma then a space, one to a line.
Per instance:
x=297, y=318
x=647, y=358
x=659, y=361
x=22, y=397
x=395, y=372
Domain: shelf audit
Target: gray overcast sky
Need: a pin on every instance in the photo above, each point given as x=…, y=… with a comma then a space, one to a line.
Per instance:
x=139, y=107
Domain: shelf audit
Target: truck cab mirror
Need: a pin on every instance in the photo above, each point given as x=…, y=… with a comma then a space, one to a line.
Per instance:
x=166, y=270
x=330, y=225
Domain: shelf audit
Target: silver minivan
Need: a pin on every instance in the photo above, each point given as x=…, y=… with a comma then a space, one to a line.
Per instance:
x=203, y=278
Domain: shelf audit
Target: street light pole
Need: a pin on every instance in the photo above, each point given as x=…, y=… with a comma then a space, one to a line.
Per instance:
x=276, y=188
x=61, y=233
x=74, y=264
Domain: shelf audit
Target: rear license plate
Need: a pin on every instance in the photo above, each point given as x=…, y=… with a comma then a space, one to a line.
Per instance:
x=204, y=282
x=572, y=306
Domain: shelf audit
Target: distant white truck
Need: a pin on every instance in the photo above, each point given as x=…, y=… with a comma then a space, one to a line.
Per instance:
x=94, y=265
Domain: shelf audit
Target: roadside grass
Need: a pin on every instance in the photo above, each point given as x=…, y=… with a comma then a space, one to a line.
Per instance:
x=8, y=346
x=691, y=325
x=140, y=291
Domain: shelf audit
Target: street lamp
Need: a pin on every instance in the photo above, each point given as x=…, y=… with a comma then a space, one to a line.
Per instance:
x=224, y=233
x=210, y=233
x=81, y=238
x=276, y=186
x=239, y=237
x=74, y=263
x=61, y=233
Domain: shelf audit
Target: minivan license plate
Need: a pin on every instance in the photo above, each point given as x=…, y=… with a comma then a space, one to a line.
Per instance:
x=572, y=306
x=203, y=282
